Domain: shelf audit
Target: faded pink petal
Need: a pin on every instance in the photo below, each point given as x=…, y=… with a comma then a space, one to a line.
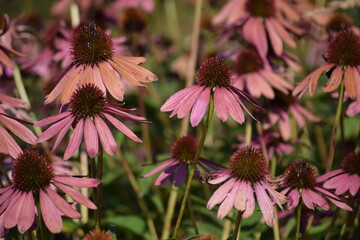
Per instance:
x=62, y=133
x=229, y=201
x=220, y=194
x=122, y=128
x=13, y=210
x=265, y=204
x=350, y=81
x=294, y=198
x=52, y=119
x=18, y=129
x=329, y=175
x=314, y=77
x=55, y=129
x=49, y=213
x=335, y=80
x=27, y=216
x=159, y=168
x=285, y=126
x=311, y=196
x=220, y=104
x=91, y=138
x=75, y=140
x=220, y=177
x=234, y=107
x=11, y=147
x=15, y=102
x=111, y=81
x=275, y=39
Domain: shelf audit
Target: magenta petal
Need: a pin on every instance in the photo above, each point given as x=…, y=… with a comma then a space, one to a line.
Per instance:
x=177, y=98
x=159, y=168
x=293, y=197
x=50, y=214
x=62, y=133
x=75, y=140
x=188, y=102
x=27, y=216
x=77, y=181
x=228, y=203
x=122, y=128
x=220, y=177
x=275, y=39
x=63, y=205
x=165, y=175
x=254, y=33
x=329, y=175
x=180, y=174
x=235, y=108
x=54, y=129
x=106, y=138
x=265, y=204
x=220, y=194
x=77, y=196
x=91, y=138
x=199, y=109
x=220, y=103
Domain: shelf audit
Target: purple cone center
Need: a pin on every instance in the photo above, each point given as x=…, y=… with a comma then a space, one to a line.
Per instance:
x=214, y=72
x=351, y=163
x=301, y=175
x=260, y=8
x=184, y=149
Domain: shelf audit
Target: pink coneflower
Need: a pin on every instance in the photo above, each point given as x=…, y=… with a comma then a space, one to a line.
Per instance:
x=214, y=78
x=274, y=143
x=353, y=109
x=33, y=183
x=343, y=59
x=6, y=40
x=345, y=179
x=261, y=18
x=279, y=111
x=7, y=144
x=176, y=168
x=300, y=181
x=257, y=75
x=88, y=108
x=247, y=173
x=94, y=62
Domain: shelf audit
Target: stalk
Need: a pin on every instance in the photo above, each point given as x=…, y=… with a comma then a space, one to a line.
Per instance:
x=237, y=226
x=192, y=171
x=298, y=218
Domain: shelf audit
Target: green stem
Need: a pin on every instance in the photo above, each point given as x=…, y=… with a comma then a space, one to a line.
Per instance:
x=196, y=159
x=192, y=216
x=98, y=194
x=169, y=212
x=20, y=86
x=298, y=218
x=41, y=222
x=335, y=127
x=308, y=225
x=237, y=225
x=142, y=204
x=276, y=230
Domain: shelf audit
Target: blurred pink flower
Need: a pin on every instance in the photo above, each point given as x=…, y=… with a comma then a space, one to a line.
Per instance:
x=88, y=110
x=33, y=179
x=259, y=19
x=7, y=33
x=345, y=179
x=94, y=61
x=273, y=141
x=256, y=74
x=176, y=167
x=246, y=175
x=353, y=109
x=146, y=5
x=279, y=111
x=7, y=144
x=343, y=59
x=214, y=78
x=301, y=181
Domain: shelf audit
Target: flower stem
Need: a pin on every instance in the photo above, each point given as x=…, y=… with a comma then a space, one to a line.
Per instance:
x=196, y=159
x=98, y=194
x=169, y=212
x=298, y=218
x=192, y=216
x=335, y=127
x=276, y=231
x=142, y=204
x=41, y=222
x=237, y=225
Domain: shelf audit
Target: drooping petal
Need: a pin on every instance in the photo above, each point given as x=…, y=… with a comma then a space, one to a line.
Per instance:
x=54, y=129
x=18, y=129
x=294, y=198
x=254, y=33
x=75, y=140
x=159, y=168
x=314, y=77
x=77, y=196
x=265, y=204
x=49, y=213
x=10, y=146
x=275, y=39
x=199, y=109
x=180, y=174
x=27, y=216
x=62, y=205
x=62, y=133
x=335, y=80
x=228, y=203
x=350, y=81
x=221, y=108
x=52, y=119
x=13, y=211
x=220, y=194
x=91, y=138
x=122, y=128
x=112, y=81
x=106, y=138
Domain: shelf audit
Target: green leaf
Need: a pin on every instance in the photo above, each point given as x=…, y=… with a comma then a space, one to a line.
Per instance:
x=134, y=224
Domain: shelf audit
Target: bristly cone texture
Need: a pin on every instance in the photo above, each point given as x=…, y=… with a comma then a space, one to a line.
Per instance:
x=248, y=164
x=351, y=163
x=31, y=172
x=184, y=149
x=301, y=175
x=214, y=72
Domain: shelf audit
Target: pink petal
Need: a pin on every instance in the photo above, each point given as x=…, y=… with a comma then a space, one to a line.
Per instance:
x=314, y=77
x=178, y=97
x=159, y=168
x=188, y=102
x=180, y=174
x=220, y=103
x=10, y=146
x=254, y=33
x=18, y=129
x=243, y=196
x=234, y=107
x=220, y=177
x=27, y=216
x=91, y=138
x=220, y=194
x=350, y=81
x=329, y=175
x=62, y=133
x=228, y=203
x=50, y=214
x=62, y=205
x=285, y=126
x=265, y=204
x=112, y=81
x=54, y=129
x=310, y=197
x=275, y=39
x=199, y=109
x=75, y=140
x=77, y=181
x=77, y=196
x=122, y=128
x=165, y=175
x=13, y=210
x=282, y=32
x=106, y=138
x=15, y=102
x=294, y=198
x=52, y=119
